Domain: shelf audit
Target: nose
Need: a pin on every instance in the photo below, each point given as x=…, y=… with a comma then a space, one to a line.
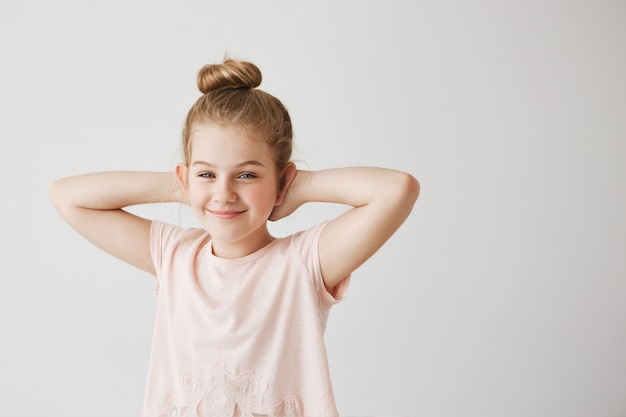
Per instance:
x=224, y=192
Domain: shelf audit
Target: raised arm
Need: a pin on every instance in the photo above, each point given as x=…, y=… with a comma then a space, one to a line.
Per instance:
x=381, y=200
x=93, y=205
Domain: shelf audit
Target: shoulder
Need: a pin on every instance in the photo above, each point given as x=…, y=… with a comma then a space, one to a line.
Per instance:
x=165, y=229
x=307, y=236
x=172, y=246
x=303, y=247
x=304, y=242
x=166, y=236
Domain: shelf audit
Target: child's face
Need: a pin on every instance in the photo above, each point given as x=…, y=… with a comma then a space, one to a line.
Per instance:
x=232, y=185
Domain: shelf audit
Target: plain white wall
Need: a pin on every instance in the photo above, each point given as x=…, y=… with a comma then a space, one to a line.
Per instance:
x=504, y=294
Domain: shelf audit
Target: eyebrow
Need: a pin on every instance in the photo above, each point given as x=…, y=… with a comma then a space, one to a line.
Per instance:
x=241, y=164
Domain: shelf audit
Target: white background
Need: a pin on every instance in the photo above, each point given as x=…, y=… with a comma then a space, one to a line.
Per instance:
x=504, y=293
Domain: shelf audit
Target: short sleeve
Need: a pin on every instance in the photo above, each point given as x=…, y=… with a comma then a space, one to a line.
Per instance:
x=156, y=238
x=306, y=244
x=162, y=238
x=169, y=243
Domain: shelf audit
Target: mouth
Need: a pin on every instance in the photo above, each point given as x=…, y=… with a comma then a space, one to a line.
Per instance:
x=225, y=214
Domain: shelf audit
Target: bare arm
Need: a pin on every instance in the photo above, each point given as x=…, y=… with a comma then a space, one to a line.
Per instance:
x=381, y=200
x=93, y=205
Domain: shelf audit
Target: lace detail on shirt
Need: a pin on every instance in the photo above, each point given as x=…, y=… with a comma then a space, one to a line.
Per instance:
x=328, y=407
x=219, y=394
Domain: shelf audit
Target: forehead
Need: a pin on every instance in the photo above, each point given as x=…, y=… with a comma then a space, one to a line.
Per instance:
x=227, y=144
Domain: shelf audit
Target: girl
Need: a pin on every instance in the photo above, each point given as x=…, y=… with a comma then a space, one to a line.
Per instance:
x=240, y=314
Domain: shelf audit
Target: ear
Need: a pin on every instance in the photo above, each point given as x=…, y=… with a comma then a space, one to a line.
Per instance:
x=286, y=178
x=182, y=175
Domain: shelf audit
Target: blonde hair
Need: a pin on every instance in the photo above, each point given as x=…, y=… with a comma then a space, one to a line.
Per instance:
x=230, y=96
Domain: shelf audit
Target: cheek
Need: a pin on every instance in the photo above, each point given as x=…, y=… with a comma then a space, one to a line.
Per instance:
x=197, y=194
x=262, y=196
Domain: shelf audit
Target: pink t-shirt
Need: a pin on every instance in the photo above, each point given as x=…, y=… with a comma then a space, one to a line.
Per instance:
x=239, y=336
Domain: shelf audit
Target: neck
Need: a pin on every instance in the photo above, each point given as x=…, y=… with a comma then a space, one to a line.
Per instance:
x=233, y=250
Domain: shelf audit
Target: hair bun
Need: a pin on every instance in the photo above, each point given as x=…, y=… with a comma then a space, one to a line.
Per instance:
x=230, y=74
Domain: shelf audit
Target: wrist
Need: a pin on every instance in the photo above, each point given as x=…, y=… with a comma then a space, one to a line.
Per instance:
x=299, y=186
x=175, y=192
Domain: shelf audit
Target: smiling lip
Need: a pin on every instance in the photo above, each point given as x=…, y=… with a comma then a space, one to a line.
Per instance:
x=225, y=215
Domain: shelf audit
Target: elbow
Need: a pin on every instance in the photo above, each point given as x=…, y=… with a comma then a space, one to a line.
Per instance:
x=54, y=192
x=402, y=193
x=415, y=188
x=57, y=194
x=409, y=188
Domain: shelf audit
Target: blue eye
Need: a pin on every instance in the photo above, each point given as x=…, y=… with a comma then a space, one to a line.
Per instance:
x=247, y=176
x=206, y=175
